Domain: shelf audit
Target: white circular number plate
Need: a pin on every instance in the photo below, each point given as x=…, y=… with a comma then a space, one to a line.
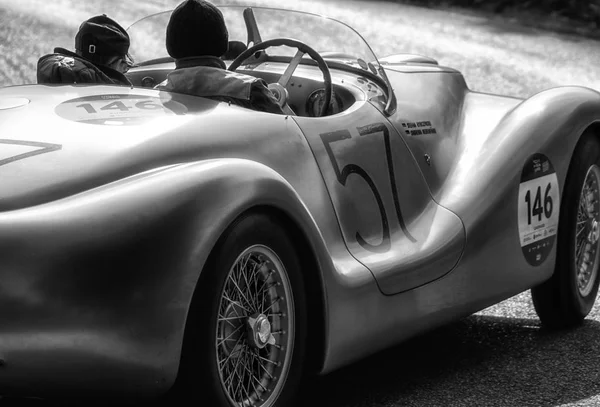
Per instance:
x=539, y=207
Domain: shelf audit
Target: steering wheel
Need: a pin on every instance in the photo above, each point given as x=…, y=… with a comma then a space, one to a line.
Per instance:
x=279, y=89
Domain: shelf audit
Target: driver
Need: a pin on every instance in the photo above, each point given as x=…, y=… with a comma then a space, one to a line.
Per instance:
x=196, y=38
x=101, y=56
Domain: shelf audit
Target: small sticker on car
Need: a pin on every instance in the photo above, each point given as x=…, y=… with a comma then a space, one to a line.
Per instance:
x=539, y=207
x=419, y=128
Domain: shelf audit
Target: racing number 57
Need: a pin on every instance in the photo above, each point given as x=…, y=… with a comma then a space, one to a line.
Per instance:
x=349, y=169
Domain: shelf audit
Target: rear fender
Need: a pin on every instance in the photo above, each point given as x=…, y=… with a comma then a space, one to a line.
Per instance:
x=85, y=279
x=486, y=187
x=486, y=167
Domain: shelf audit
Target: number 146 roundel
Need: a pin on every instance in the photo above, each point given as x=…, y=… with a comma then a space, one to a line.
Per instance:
x=539, y=203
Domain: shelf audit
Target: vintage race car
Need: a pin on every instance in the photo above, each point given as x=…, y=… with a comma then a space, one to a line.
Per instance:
x=155, y=242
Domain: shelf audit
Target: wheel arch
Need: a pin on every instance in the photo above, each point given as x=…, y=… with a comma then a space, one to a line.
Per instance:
x=313, y=282
x=591, y=129
x=280, y=201
x=313, y=285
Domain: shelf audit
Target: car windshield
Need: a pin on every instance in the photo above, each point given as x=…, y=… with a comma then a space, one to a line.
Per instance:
x=334, y=40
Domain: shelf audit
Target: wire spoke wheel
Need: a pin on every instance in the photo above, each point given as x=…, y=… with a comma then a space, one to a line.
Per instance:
x=255, y=328
x=587, y=232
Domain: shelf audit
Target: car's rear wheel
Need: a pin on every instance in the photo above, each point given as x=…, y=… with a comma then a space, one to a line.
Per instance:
x=245, y=341
x=568, y=296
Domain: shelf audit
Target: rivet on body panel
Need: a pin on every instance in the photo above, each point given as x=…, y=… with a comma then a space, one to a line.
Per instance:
x=428, y=159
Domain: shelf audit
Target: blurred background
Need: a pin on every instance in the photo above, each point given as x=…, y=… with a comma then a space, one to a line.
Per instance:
x=512, y=47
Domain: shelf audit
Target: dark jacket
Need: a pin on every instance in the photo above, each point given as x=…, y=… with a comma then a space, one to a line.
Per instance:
x=67, y=67
x=206, y=76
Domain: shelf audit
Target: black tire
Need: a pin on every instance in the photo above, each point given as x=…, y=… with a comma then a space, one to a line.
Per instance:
x=560, y=302
x=199, y=377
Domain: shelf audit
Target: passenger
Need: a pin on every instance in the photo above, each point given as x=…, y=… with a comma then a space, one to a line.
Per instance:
x=196, y=37
x=101, y=56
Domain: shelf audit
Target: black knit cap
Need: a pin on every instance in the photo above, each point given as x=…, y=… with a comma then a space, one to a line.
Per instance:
x=196, y=28
x=101, y=37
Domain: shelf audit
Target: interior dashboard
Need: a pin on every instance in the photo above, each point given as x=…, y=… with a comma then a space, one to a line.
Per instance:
x=306, y=92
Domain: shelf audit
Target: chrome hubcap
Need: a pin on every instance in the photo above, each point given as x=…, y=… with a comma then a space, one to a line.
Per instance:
x=259, y=331
x=587, y=233
x=255, y=329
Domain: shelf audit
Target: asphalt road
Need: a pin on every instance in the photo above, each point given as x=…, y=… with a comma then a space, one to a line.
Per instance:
x=500, y=356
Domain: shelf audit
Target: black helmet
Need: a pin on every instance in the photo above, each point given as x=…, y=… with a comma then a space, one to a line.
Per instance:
x=100, y=38
x=196, y=28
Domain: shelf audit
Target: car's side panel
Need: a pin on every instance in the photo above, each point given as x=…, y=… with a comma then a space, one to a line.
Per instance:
x=389, y=220
x=361, y=323
x=434, y=109
x=484, y=187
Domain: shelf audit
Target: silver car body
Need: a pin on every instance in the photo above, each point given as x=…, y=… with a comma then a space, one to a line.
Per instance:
x=108, y=214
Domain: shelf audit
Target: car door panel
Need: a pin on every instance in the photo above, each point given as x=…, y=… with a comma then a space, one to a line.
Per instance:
x=386, y=213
